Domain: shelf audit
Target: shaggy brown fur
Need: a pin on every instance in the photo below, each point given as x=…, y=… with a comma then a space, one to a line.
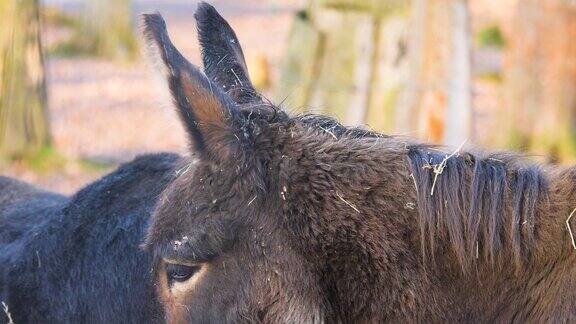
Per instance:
x=303, y=220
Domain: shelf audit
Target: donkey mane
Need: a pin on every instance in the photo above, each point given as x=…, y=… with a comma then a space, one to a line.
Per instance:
x=480, y=204
x=274, y=114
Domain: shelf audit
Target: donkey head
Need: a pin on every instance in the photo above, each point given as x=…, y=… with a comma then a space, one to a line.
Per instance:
x=261, y=224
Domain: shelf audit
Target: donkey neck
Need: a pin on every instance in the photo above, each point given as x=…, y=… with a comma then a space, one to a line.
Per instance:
x=552, y=284
x=434, y=235
x=540, y=288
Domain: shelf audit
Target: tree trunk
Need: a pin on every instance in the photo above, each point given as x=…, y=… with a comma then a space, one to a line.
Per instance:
x=24, y=126
x=300, y=66
x=436, y=103
x=107, y=29
x=540, y=80
x=335, y=56
x=343, y=85
x=390, y=72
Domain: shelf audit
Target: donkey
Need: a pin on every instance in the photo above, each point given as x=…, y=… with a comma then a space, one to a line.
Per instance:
x=296, y=219
x=77, y=259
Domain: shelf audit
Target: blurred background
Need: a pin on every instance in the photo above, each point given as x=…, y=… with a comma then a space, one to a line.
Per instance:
x=78, y=95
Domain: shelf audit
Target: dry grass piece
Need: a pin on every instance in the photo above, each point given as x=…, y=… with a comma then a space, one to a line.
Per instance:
x=251, y=201
x=347, y=203
x=414, y=179
x=570, y=229
x=7, y=312
x=439, y=168
x=329, y=132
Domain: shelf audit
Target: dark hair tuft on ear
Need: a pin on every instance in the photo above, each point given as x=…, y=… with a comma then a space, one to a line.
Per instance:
x=222, y=55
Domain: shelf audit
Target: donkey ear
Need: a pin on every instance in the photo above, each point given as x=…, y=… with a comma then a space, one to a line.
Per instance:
x=209, y=115
x=222, y=55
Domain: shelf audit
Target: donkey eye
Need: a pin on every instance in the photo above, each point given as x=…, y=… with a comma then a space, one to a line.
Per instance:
x=180, y=272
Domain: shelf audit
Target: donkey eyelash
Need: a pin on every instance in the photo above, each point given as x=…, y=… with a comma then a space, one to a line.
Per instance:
x=179, y=272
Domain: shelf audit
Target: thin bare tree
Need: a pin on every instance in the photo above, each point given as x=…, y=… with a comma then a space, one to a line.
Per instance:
x=24, y=125
x=436, y=103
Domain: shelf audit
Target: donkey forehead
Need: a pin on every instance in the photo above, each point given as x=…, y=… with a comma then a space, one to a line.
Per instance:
x=193, y=247
x=188, y=222
x=198, y=235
